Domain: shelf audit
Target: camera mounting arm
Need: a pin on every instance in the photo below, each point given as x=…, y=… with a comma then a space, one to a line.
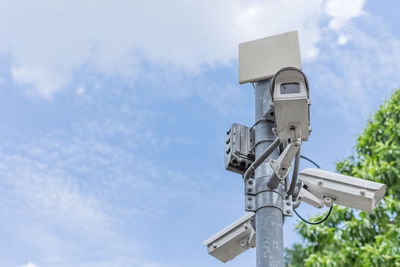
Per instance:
x=305, y=196
x=283, y=164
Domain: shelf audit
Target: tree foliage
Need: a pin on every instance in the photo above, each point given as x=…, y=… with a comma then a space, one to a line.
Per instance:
x=349, y=237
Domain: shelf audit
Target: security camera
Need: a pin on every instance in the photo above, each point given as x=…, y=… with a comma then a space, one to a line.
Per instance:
x=321, y=188
x=233, y=240
x=290, y=100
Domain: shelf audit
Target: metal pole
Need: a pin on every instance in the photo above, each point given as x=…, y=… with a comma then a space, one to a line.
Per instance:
x=269, y=217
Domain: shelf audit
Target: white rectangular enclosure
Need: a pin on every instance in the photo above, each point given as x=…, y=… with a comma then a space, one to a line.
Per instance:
x=261, y=59
x=233, y=240
x=342, y=189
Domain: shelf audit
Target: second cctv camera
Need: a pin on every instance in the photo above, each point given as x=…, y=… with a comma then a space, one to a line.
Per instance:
x=323, y=187
x=233, y=240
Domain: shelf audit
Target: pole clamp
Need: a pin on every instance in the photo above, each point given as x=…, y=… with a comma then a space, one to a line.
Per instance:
x=255, y=199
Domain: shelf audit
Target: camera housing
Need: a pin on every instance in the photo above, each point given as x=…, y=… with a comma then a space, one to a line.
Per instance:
x=233, y=240
x=290, y=98
x=328, y=187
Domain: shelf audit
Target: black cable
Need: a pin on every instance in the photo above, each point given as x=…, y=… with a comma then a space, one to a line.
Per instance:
x=316, y=165
x=330, y=209
x=260, y=160
x=313, y=223
x=260, y=120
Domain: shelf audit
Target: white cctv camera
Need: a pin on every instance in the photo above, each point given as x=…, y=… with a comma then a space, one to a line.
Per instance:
x=324, y=188
x=233, y=240
x=290, y=98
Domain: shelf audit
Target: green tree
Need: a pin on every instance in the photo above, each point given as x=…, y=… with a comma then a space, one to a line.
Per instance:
x=349, y=237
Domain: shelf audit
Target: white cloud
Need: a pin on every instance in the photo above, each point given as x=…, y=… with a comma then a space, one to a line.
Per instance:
x=49, y=41
x=354, y=80
x=342, y=39
x=80, y=90
x=342, y=11
x=29, y=264
x=64, y=194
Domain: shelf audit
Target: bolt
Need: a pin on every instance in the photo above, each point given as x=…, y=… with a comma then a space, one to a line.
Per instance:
x=250, y=182
x=249, y=207
x=249, y=198
x=288, y=203
x=288, y=212
x=249, y=190
x=320, y=183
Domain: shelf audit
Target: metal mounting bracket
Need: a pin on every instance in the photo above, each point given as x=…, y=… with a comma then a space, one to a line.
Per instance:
x=270, y=113
x=306, y=196
x=256, y=198
x=288, y=208
x=283, y=164
x=250, y=194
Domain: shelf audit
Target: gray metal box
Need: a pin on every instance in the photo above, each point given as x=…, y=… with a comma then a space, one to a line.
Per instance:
x=261, y=59
x=238, y=148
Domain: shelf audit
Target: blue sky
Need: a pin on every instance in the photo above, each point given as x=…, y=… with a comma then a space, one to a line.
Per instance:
x=113, y=116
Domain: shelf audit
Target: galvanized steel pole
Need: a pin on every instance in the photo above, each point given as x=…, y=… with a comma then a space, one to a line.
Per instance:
x=269, y=219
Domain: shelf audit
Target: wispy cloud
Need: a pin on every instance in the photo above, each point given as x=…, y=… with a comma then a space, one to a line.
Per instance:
x=342, y=11
x=353, y=77
x=29, y=264
x=65, y=193
x=54, y=40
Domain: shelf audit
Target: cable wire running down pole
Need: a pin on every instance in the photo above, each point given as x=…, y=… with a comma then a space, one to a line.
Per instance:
x=260, y=160
x=269, y=219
